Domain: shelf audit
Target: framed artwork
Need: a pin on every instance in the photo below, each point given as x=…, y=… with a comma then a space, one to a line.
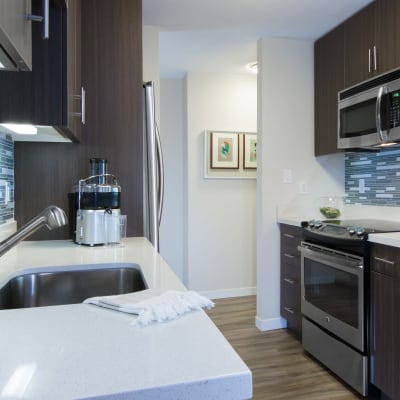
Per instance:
x=249, y=151
x=224, y=150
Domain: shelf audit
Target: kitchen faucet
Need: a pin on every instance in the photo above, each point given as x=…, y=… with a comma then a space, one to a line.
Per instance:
x=52, y=216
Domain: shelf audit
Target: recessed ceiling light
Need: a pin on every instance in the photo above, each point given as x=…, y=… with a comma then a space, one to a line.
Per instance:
x=22, y=129
x=252, y=66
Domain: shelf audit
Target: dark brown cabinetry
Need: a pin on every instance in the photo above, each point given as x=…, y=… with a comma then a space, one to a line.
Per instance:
x=329, y=79
x=371, y=37
x=112, y=75
x=387, y=34
x=50, y=94
x=385, y=319
x=359, y=53
x=291, y=237
x=363, y=46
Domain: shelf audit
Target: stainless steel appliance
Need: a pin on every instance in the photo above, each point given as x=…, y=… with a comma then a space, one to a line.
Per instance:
x=369, y=113
x=97, y=203
x=153, y=171
x=334, y=295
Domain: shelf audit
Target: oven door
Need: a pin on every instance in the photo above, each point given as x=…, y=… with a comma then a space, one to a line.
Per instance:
x=332, y=292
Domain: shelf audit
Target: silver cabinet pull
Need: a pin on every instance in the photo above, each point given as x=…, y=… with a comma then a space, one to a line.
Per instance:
x=288, y=280
x=375, y=64
x=43, y=18
x=289, y=255
x=369, y=61
x=384, y=261
x=83, y=105
x=288, y=235
x=289, y=310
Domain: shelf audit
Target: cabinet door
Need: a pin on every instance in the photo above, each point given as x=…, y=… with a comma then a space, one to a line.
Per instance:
x=385, y=349
x=385, y=319
x=75, y=92
x=387, y=34
x=359, y=39
x=290, y=277
x=329, y=79
x=41, y=97
x=15, y=31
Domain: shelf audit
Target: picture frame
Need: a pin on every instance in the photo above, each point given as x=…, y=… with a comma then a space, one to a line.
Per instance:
x=224, y=150
x=249, y=151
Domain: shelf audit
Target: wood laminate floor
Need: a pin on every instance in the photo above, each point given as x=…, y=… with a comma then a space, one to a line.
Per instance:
x=280, y=368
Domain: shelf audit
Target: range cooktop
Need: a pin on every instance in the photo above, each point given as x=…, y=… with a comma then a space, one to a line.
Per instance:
x=350, y=229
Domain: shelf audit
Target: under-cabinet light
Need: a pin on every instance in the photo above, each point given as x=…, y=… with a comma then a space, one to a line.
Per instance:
x=22, y=129
x=2, y=65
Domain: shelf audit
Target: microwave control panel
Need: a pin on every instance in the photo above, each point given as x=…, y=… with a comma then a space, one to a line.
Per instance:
x=394, y=109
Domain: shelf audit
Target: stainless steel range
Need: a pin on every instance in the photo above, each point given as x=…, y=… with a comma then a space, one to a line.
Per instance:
x=334, y=295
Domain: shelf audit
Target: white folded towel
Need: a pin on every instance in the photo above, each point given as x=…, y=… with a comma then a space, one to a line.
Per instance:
x=152, y=305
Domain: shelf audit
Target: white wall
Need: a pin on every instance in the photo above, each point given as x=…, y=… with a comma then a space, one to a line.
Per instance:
x=286, y=141
x=220, y=214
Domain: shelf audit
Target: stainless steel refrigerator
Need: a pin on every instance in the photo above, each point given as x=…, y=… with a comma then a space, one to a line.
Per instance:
x=153, y=171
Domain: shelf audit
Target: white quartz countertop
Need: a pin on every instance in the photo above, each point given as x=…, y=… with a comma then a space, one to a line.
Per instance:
x=389, y=239
x=81, y=351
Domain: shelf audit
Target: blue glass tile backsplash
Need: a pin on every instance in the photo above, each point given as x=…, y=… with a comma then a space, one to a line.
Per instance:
x=373, y=178
x=6, y=178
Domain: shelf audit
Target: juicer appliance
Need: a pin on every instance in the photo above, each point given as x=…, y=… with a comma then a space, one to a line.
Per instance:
x=96, y=205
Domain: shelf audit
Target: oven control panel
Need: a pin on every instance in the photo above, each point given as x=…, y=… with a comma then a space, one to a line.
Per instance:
x=335, y=228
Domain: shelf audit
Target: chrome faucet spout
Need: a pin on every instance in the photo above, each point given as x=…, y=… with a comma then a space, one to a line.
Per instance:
x=52, y=217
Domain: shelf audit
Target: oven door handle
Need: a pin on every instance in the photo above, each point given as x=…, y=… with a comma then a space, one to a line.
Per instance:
x=336, y=260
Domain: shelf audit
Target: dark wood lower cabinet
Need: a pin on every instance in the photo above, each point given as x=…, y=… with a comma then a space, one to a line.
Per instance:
x=291, y=237
x=385, y=319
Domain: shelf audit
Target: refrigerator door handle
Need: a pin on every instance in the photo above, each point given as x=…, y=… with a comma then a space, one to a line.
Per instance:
x=160, y=175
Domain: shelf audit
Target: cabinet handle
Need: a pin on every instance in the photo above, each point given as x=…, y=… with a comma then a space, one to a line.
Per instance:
x=288, y=235
x=375, y=66
x=383, y=260
x=42, y=18
x=83, y=105
x=288, y=280
x=369, y=61
x=288, y=255
x=289, y=310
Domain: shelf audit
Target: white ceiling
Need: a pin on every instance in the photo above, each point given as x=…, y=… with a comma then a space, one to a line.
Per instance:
x=221, y=35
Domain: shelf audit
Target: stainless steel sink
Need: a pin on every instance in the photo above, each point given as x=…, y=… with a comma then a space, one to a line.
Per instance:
x=72, y=284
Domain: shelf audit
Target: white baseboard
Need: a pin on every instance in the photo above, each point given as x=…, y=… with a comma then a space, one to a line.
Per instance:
x=224, y=293
x=270, y=324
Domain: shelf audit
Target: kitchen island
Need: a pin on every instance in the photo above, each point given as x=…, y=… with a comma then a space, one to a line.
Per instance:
x=81, y=351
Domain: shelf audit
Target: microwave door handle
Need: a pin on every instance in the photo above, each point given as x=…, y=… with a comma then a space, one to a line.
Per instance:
x=383, y=135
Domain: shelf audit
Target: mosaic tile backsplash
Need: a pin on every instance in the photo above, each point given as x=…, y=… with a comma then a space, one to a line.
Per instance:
x=6, y=178
x=373, y=178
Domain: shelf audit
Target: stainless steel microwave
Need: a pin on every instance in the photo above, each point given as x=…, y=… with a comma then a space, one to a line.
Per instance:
x=369, y=113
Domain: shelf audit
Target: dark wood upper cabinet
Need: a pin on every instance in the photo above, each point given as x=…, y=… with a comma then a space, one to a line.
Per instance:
x=363, y=46
x=329, y=79
x=51, y=93
x=387, y=34
x=359, y=32
x=371, y=39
